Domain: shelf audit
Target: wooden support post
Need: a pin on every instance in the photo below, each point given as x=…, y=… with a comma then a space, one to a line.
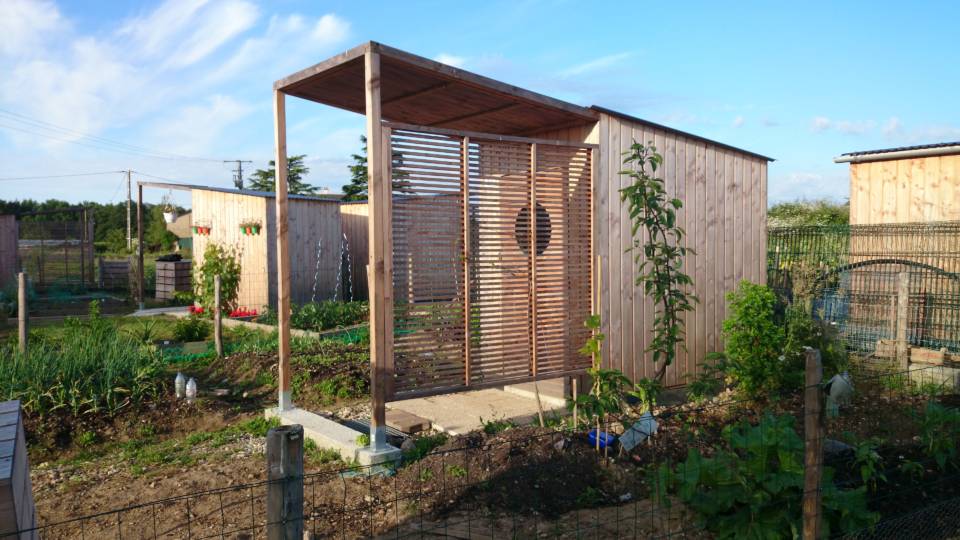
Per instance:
x=903, y=317
x=100, y=271
x=83, y=248
x=533, y=260
x=217, y=317
x=813, y=444
x=380, y=274
x=576, y=417
x=140, y=288
x=283, y=251
x=285, y=483
x=22, y=311
x=467, y=256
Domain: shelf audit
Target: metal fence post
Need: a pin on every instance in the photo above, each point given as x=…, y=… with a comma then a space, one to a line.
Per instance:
x=903, y=316
x=285, y=483
x=217, y=317
x=813, y=434
x=22, y=311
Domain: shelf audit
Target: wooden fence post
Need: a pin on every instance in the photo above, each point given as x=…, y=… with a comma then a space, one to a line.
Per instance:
x=813, y=434
x=285, y=483
x=22, y=310
x=903, y=316
x=217, y=317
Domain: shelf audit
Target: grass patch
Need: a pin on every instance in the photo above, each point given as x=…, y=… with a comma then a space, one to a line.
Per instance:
x=423, y=445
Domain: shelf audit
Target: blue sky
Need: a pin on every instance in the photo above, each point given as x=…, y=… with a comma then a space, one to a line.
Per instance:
x=185, y=79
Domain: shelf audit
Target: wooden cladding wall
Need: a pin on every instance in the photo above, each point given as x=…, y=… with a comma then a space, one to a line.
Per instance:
x=905, y=190
x=491, y=260
x=725, y=205
x=354, y=219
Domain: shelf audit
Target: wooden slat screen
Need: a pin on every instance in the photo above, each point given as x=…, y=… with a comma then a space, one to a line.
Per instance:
x=487, y=311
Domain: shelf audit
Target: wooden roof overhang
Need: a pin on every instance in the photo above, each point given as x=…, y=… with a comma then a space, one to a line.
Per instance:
x=423, y=92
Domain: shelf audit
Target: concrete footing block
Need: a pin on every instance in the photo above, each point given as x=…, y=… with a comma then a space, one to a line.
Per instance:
x=327, y=433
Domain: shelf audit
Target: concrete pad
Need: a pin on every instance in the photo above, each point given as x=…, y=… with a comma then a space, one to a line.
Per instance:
x=551, y=392
x=327, y=433
x=464, y=412
x=405, y=422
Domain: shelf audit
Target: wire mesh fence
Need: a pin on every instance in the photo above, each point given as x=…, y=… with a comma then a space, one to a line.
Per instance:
x=854, y=273
x=725, y=466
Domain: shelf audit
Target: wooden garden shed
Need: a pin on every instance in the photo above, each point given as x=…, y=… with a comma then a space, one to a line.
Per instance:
x=525, y=234
x=315, y=237
x=909, y=184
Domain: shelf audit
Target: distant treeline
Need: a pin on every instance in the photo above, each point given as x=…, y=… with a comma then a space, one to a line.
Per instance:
x=110, y=221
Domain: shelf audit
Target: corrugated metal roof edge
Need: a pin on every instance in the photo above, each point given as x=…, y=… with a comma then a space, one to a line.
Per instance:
x=677, y=131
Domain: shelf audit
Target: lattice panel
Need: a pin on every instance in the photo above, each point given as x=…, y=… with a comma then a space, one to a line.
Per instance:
x=508, y=304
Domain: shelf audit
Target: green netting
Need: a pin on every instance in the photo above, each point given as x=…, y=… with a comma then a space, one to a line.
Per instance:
x=852, y=274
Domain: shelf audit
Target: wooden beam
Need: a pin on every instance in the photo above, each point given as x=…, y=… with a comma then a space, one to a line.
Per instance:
x=380, y=192
x=533, y=259
x=290, y=81
x=283, y=250
x=476, y=114
x=554, y=127
x=140, y=246
x=480, y=136
x=415, y=93
x=467, y=256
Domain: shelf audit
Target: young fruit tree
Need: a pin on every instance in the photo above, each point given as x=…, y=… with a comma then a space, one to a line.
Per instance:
x=659, y=252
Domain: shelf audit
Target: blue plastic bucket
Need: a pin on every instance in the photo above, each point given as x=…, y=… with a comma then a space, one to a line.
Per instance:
x=606, y=439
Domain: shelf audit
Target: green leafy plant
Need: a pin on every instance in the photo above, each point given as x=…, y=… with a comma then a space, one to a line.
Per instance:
x=803, y=331
x=329, y=314
x=707, y=383
x=363, y=439
x=646, y=390
x=191, y=328
x=868, y=460
x=754, y=489
x=912, y=469
x=940, y=433
x=222, y=261
x=753, y=342
x=144, y=330
x=494, y=426
x=660, y=261
x=605, y=396
x=456, y=471
x=423, y=445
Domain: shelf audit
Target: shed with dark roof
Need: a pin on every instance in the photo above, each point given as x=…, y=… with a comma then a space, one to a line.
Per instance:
x=906, y=184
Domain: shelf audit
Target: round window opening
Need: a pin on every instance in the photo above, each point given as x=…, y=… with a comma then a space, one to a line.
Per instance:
x=522, y=229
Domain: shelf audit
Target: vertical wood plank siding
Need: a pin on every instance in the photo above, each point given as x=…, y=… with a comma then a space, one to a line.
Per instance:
x=313, y=225
x=725, y=213
x=905, y=190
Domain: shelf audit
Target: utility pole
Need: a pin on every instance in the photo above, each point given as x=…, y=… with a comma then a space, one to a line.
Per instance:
x=238, y=172
x=129, y=239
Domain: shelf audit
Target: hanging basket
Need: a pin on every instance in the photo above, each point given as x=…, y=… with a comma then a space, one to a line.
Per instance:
x=169, y=215
x=250, y=228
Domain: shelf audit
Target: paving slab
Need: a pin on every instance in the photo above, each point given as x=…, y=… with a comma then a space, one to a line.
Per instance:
x=464, y=412
x=330, y=434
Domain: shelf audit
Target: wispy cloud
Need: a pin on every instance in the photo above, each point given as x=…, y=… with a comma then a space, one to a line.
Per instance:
x=738, y=121
x=808, y=185
x=595, y=64
x=848, y=127
x=820, y=123
x=450, y=59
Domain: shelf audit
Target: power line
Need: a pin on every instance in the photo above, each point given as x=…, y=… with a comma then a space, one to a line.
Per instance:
x=92, y=141
x=52, y=176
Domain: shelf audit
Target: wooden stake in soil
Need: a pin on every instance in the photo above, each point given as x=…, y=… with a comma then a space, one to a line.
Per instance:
x=217, y=317
x=903, y=312
x=22, y=311
x=813, y=444
x=285, y=483
x=536, y=392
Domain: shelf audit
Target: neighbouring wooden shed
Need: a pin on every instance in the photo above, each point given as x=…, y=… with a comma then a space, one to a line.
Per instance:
x=536, y=237
x=9, y=257
x=909, y=184
x=315, y=237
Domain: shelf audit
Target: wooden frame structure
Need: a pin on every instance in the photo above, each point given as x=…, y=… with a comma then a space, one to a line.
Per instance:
x=473, y=134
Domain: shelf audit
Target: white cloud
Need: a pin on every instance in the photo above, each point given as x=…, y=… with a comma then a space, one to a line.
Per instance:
x=892, y=127
x=24, y=24
x=595, y=64
x=194, y=128
x=215, y=26
x=820, y=123
x=855, y=128
x=808, y=185
x=738, y=121
x=450, y=59
x=330, y=30
x=770, y=122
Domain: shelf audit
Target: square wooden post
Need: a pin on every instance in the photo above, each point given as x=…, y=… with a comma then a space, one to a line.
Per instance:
x=140, y=287
x=217, y=317
x=283, y=251
x=903, y=318
x=22, y=313
x=813, y=434
x=380, y=263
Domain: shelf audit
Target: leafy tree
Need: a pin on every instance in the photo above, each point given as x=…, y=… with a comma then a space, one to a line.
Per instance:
x=265, y=180
x=155, y=233
x=225, y=262
x=660, y=261
x=356, y=190
x=803, y=212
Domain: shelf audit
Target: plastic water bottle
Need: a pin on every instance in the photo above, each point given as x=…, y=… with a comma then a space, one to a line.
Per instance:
x=191, y=390
x=180, y=385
